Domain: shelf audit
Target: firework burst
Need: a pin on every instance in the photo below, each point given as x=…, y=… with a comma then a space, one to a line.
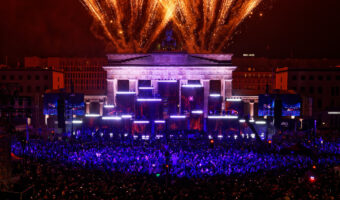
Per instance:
x=203, y=25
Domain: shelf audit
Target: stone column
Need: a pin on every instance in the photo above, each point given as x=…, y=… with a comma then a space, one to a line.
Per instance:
x=87, y=107
x=181, y=82
x=223, y=94
x=251, y=109
x=180, y=94
x=154, y=84
x=101, y=107
x=115, y=89
x=133, y=86
x=110, y=92
x=206, y=85
x=228, y=88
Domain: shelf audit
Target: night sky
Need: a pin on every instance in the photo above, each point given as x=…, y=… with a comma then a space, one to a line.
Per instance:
x=288, y=28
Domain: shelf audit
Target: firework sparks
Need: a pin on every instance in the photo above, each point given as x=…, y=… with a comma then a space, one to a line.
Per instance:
x=202, y=25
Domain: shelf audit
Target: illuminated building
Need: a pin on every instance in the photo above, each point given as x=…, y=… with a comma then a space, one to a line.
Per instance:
x=28, y=85
x=188, y=70
x=322, y=85
x=85, y=75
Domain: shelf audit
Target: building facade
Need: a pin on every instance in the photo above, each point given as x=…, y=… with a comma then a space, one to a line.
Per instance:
x=26, y=88
x=322, y=85
x=188, y=70
x=84, y=75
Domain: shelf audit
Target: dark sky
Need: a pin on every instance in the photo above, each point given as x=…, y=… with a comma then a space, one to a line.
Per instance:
x=298, y=28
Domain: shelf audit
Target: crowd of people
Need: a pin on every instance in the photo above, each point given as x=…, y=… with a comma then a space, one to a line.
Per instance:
x=177, y=170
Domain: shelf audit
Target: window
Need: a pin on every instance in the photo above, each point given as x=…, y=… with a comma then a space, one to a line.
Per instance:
x=294, y=77
x=28, y=77
x=28, y=88
x=320, y=103
x=328, y=77
x=302, y=89
x=37, y=77
x=37, y=88
x=12, y=77
x=311, y=89
x=311, y=78
x=320, y=78
x=338, y=78
x=45, y=77
x=320, y=90
x=303, y=77
x=3, y=77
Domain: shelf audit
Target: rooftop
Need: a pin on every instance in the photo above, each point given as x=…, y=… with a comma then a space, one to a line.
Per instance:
x=170, y=59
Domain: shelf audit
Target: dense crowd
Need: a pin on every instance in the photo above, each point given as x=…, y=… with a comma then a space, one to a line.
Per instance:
x=107, y=170
x=196, y=161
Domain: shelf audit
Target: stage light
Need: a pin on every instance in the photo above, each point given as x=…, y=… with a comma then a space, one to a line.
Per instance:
x=109, y=106
x=215, y=95
x=145, y=88
x=212, y=141
x=101, y=134
x=159, y=122
x=260, y=122
x=128, y=93
x=159, y=136
x=242, y=120
x=158, y=175
x=145, y=137
x=292, y=117
x=135, y=137
x=220, y=136
x=177, y=116
x=77, y=122
x=98, y=154
x=235, y=137
x=334, y=113
x=92, y=115
x=126, y=116
x=167, y=81
x=252, y=135
x=210, y=137
x=269, y=141
x=141, y=122
x=126, y=134
x=111, y=135
x=149, y=100
x=251, y=121
x=192, y=86
x=234, y=100
x=111, y=118
x=223, y=117
x=312, y=179
x=197, y=112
